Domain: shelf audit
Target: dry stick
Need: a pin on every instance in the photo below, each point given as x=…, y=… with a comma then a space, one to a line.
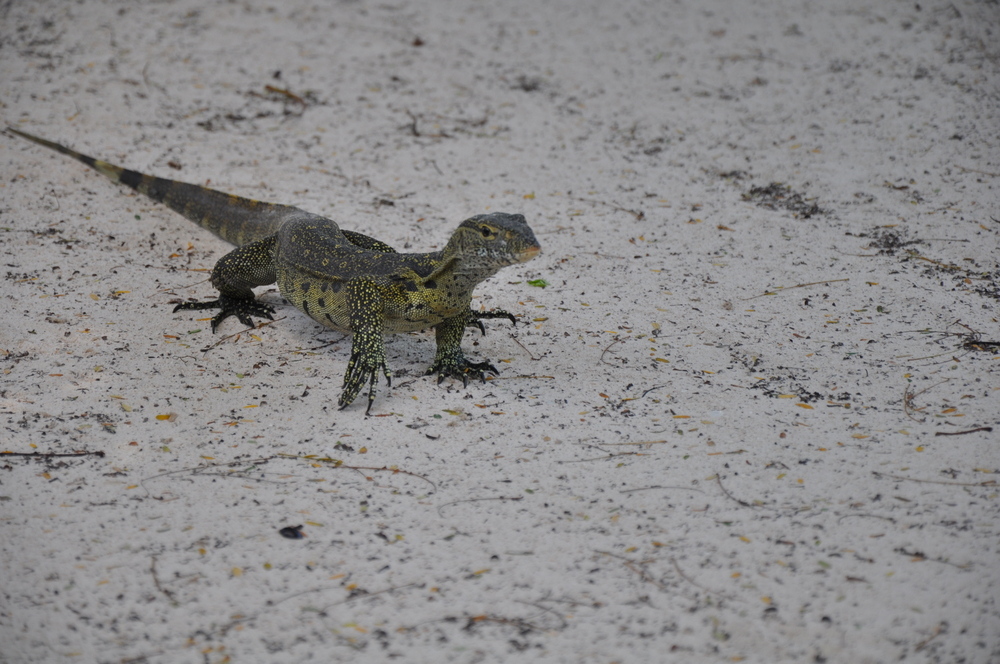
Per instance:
x=638, y=214
x=236, y=621
x=923, y=556
x=530, y=354
x=616, y=341
x=476, y=500
x=812, y=283
x=872, y=516
x=961, y=433
x=941, y=628
x=51, y=455
x=197, y=471
x=692, y=581
x=520, y=623
x=914, y=479
x=718, y=479
x=630, y=565
x=546, y=609
x=339, y=464
x=258, y=326
x=657, y=486
x=287, y=93
x=641, y=442
x=975, y=170
x=156, y=580
x=377, y=592
x=603, y=458
x=909, y=397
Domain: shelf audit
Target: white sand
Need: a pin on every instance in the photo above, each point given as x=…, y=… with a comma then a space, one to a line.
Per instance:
x=717, y=436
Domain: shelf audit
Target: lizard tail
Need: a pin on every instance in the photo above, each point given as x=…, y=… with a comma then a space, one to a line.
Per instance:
x=235, y=219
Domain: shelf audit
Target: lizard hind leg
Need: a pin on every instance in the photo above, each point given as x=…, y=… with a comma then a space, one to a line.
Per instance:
x=235, y=275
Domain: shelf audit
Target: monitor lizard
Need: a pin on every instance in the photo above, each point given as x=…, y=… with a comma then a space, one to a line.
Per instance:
x=342, y=279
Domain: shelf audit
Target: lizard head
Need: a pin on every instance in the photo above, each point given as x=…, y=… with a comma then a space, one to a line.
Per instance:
x=493, y=241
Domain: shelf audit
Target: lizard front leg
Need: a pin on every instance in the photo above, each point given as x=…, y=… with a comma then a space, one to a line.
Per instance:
x=234, y=276
x=368, y=346
x=450, y=359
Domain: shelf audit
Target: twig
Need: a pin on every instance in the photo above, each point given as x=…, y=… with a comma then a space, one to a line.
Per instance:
x=784, y=288
x=976, y=170
x=657, y=486
x=337, y=463
x=961, y=433
x=638, y=214
x=630, y=564
x=871, y=516
x=604, y=458
x=914, y=479
x=908, y=398
x=530, y=354
x=287, y=93
x=718, y=479
x=922, y=556
x=641, y=442
x=476, y=500
x=941, y=628
x=657, y=387
x=51, y=455
x=605, y=351
x=523, y=625
x=258, y=326
x=156, y=581
x=692, y=581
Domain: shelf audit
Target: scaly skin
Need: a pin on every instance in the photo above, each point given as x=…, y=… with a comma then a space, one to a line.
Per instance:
x=342, y=279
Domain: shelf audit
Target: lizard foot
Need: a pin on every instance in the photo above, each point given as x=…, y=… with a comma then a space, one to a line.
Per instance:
x=463, y=369
x=243, y=309
x=363, y=369
x=476, y=318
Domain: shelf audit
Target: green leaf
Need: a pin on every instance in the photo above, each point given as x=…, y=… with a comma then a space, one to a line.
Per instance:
x=538, y=283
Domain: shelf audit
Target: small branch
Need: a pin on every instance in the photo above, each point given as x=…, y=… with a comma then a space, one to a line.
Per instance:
x=920, y=555
x=692, y=581
x=718, y=479
x=941, y=628
x=605, y=352
x=640, y=442
x=604, y=458
x=657, y=486
x=258, y=326
x=638, y=214
x=476, y=500
x=156, y=581
x=51, y=455
x=281, y=91
x=530, y=354
x=337, y=463
x=962, y=433
x=784, y=288
x=631, y=565
x=914, y=479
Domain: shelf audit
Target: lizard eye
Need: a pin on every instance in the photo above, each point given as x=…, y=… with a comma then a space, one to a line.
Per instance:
x=487, y=232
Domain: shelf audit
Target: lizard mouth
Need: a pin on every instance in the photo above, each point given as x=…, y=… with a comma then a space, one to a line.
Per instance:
x=528, y=254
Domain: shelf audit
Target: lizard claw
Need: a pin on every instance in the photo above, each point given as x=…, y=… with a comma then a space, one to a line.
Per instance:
x=361, y=370
x=243, y=309
x=462, y=369
x=476, y=318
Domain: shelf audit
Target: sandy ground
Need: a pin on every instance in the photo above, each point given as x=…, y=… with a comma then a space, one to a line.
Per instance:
x=754, y=415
